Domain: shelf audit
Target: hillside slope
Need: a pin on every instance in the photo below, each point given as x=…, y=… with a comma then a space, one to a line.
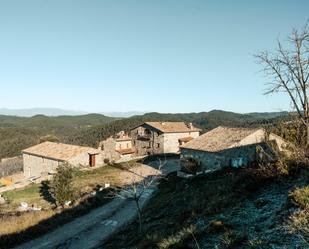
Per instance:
x=242, y=208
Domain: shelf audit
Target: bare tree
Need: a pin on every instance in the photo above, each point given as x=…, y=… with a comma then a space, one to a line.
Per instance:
x=288, y=71
x=138, y=189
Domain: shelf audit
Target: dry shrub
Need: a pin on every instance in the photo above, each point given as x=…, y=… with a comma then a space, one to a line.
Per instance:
x=178, y=238
x=300, y=197
x=299, y=224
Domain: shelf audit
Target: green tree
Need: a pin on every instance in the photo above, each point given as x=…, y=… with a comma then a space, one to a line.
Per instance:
x=61, y=185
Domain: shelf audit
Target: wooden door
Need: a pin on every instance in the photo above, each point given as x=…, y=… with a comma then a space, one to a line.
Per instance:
x=92, y=160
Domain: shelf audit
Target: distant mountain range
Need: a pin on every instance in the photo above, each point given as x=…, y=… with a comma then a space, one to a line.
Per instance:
x=60, y=112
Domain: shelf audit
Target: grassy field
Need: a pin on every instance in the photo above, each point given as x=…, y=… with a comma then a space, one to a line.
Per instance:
x=13, y=222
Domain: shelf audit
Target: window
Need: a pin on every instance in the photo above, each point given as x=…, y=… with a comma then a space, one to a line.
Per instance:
x=158, y=145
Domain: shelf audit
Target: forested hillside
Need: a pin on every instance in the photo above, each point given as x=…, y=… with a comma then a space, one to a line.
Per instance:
x=203, y=120
x=17, y=133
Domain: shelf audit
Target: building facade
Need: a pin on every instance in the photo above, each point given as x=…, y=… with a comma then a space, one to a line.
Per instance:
x=162, y=137
x=119, y=147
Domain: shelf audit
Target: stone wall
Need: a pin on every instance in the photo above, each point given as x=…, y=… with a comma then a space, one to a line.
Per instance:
x=171, y=140
x=147, y=141
x=35, y=166
x=108, y=151
x=218, y=160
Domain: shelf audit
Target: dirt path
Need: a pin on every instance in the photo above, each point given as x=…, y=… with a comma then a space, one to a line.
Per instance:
x=92, y=229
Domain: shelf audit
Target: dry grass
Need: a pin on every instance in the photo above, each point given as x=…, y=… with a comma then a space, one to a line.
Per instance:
x=12, y=222
x=15, y=224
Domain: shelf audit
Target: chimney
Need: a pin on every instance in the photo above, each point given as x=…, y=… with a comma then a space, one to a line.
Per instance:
x=190, y=126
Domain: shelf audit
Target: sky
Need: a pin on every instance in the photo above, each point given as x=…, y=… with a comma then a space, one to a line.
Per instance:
x=160, y=55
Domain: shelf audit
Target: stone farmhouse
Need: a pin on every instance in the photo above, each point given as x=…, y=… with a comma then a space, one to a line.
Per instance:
x=117, y=147
x=44, y=158
x=162, y=137
x=223, y=146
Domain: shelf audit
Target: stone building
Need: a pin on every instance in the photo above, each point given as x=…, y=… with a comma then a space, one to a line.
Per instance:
x=44, y=158
x=117, y=147
x=162, y=137
x=225, y=146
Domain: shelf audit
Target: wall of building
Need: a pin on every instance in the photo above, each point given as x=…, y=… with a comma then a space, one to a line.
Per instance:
x=152, y=143
x=35, y=166
x=171, y=140
x=82, y=160
x=157, y=142
x=123, y=144
x=218, y=160
x=109, y=152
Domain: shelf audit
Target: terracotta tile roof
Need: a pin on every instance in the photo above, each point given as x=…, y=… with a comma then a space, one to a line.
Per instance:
x=219, y=138
x=58, y=151
x=126, y=151
x=170, y=127
x=185, y=139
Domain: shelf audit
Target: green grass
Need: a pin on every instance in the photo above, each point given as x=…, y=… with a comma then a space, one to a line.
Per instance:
x=83, y=182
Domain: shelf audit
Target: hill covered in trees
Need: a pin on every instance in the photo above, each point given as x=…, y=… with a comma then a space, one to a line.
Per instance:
x=18, y=133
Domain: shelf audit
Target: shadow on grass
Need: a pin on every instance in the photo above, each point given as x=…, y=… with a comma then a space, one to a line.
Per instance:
x=45, y=192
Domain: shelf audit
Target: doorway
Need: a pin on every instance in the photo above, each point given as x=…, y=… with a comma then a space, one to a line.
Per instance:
x=92, y=160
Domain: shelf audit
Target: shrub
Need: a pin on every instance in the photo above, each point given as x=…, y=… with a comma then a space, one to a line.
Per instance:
x=106, y=161
x=49, y=138
x=300, y=196
x=190, y=165
x=61, y=185
x=177, y=239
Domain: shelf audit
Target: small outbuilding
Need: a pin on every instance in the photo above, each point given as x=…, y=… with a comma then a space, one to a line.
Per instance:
x=225, y=146
x=44, y=158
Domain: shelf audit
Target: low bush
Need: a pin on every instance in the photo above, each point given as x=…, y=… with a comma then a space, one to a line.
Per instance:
x=300, y=197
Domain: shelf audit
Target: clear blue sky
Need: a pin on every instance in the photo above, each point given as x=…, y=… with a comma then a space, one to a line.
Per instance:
x=165, y=56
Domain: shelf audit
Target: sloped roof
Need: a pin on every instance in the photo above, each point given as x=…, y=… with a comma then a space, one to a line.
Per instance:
x=219, y=139
x=58, y=151
x=170, y=127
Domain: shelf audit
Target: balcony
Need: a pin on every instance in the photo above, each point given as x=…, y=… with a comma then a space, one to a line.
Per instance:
x=144, y=137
